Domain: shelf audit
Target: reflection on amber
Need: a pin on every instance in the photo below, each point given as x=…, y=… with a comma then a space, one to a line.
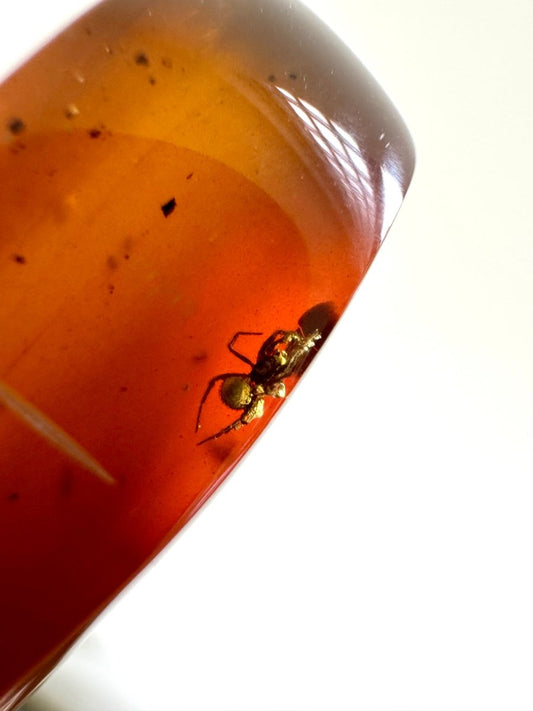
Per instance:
x=159, y=194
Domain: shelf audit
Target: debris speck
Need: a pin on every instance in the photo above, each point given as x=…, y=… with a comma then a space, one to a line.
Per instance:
x=112, y=262
x=141, y=59
x=169, y=207
x=66, y=483
x=16, y=147
x=16, y=126
x=72, y=111
x=19, y=258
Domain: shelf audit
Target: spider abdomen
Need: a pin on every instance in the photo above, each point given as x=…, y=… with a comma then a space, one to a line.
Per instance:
x=236, y=392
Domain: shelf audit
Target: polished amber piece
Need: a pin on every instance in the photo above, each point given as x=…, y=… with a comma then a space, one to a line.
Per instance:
x=173, y=173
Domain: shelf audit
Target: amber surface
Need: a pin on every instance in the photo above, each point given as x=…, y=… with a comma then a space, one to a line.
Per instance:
x=171, y=173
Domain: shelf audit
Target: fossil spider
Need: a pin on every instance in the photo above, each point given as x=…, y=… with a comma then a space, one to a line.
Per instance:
x=284, y=353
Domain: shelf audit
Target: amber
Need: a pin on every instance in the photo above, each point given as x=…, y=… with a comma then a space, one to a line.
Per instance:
x=172, y=172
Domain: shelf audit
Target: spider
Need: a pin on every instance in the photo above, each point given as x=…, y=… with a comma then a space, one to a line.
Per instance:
x=284, y=353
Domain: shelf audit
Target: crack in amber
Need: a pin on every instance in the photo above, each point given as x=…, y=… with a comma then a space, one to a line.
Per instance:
x=51, y=431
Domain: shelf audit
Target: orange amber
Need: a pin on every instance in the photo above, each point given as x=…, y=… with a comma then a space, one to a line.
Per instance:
x=172, y=172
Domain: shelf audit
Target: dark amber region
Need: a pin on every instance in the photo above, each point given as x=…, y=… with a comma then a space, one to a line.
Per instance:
x=172, y=173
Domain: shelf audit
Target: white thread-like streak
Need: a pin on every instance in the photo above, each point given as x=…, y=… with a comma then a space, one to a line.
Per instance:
x=51, y=432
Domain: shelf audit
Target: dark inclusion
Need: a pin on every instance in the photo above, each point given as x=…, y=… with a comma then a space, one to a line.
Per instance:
x=16, y=126
x=142, y=59
x=112, y=262
x=169, y=207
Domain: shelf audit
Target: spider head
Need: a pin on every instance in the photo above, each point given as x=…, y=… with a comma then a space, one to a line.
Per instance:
x=236, y=392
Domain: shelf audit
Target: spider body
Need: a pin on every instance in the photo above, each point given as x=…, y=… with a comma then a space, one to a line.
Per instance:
x=283, y=353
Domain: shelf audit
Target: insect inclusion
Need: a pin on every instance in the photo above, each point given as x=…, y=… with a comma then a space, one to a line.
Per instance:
x=282, y=354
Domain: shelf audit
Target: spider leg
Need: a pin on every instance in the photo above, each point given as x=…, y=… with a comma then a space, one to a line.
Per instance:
x=252, y=412
x=234, y=426
x=275, y=342
x=208, y=389
x=236, y=352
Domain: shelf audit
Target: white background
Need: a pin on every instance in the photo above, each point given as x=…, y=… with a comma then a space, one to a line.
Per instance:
x=375, y=549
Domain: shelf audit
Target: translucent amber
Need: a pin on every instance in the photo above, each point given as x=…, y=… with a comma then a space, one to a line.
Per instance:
x=172, y=172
